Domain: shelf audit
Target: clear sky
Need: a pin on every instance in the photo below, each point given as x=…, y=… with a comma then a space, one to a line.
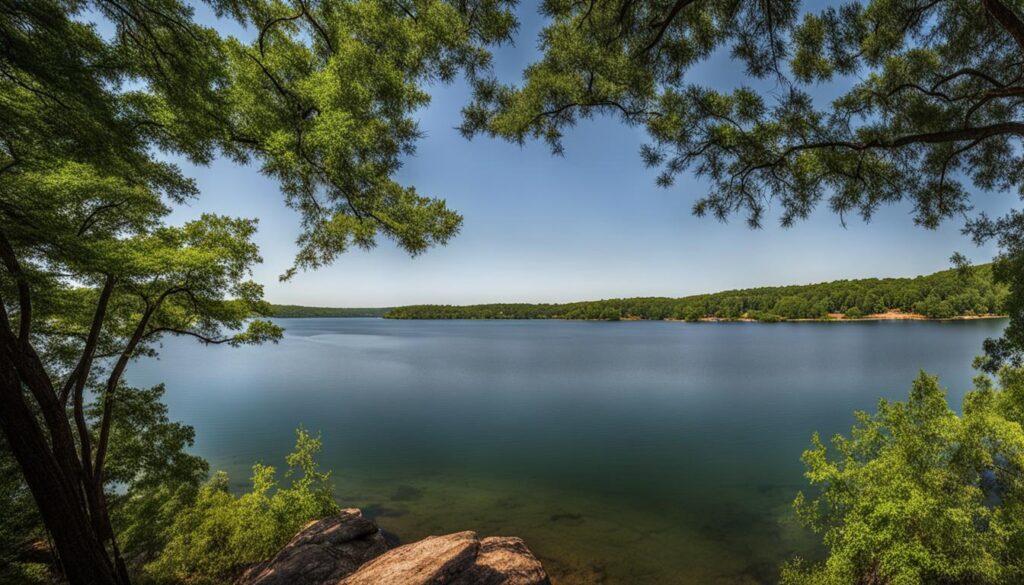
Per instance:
x=589, y=225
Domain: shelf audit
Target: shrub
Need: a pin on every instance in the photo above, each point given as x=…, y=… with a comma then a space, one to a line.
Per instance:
x=215, y=538
x=854, y=313
x=918, y=495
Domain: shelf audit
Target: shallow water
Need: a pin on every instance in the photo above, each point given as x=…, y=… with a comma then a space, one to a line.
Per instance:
x=623, y=453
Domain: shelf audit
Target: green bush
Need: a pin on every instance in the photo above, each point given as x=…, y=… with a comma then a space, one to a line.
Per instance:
x=765, y=317
x=918, y=495
x=215, y=538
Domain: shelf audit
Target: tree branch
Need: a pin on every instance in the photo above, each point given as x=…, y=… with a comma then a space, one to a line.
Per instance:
x=269, y=25
x=956, y=135
x=93, y=216
x=24, y=294
x=81, y=370
x=316, y=25
x=1007, y=18
x=199, y=336
x=664, y=24
x=115, y=378
x=81, y=376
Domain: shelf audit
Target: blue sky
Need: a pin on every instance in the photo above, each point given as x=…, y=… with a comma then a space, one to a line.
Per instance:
x=589, y=225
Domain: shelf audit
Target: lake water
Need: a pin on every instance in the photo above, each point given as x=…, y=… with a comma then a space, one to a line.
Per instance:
x=622, y=452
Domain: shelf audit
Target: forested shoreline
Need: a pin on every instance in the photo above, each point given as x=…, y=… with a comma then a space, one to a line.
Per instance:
x=944, y=295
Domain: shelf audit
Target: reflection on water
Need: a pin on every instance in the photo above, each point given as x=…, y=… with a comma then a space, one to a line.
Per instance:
x=639, y=452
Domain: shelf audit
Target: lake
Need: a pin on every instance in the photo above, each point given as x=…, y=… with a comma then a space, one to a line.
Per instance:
x=622, y=452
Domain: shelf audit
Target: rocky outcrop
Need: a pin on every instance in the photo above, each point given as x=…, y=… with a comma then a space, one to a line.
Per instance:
x=321, y=553
x=454, y=559
x=348, y=549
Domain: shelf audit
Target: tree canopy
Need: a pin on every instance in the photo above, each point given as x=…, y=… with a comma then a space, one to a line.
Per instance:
x=929, y=111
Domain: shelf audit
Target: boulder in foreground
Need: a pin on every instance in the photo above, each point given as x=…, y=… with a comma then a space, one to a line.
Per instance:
x=348, y=549
x=321, y=553
x=454, y=559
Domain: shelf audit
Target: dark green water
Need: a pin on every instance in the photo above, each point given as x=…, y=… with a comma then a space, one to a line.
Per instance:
x=626, y=453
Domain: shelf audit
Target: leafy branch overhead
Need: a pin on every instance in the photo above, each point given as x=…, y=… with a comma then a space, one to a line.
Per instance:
x=930, y=111
x=324, y=98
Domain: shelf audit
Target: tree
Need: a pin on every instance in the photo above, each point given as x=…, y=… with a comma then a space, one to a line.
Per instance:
x=917, y=494
x=91, y=275
x=936, y=107
x=792, y=307
x=83, y=315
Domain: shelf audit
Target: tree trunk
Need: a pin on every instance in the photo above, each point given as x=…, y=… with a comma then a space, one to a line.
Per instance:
x=83, y=558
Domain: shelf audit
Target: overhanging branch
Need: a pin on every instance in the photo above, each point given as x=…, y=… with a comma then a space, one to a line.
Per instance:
x=1007, y=18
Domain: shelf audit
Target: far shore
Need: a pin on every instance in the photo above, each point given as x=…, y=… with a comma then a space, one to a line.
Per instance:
x=839, y=317
x=832, y=318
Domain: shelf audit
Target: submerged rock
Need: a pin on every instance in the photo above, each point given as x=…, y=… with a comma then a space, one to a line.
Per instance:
x=321, y=553
x=349, y=549
x=454, y=559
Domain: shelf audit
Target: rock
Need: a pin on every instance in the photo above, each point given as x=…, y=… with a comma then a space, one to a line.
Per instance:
x=348, y=549
x=453, y=559
x=321, y=553
x=503, y=560
x=435, y=560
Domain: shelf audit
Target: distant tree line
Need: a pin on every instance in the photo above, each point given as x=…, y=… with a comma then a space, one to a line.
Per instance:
x=298, y=311
x=943, y=295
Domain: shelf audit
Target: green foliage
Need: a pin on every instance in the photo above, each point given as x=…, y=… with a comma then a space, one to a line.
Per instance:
x=150, y=479
x=917, y=495
x=927, y=108
x=26, y=574
x=160, y=506
x=220, y=534
x=854, y=313
x=324, y=100
x=297, y=311
x=764, y=317
x=940, y=295
x=1008, y=268
x=150, y=476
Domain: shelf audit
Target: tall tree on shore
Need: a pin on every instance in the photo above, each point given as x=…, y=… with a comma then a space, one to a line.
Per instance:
x=932, y=105
x=92, y=276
